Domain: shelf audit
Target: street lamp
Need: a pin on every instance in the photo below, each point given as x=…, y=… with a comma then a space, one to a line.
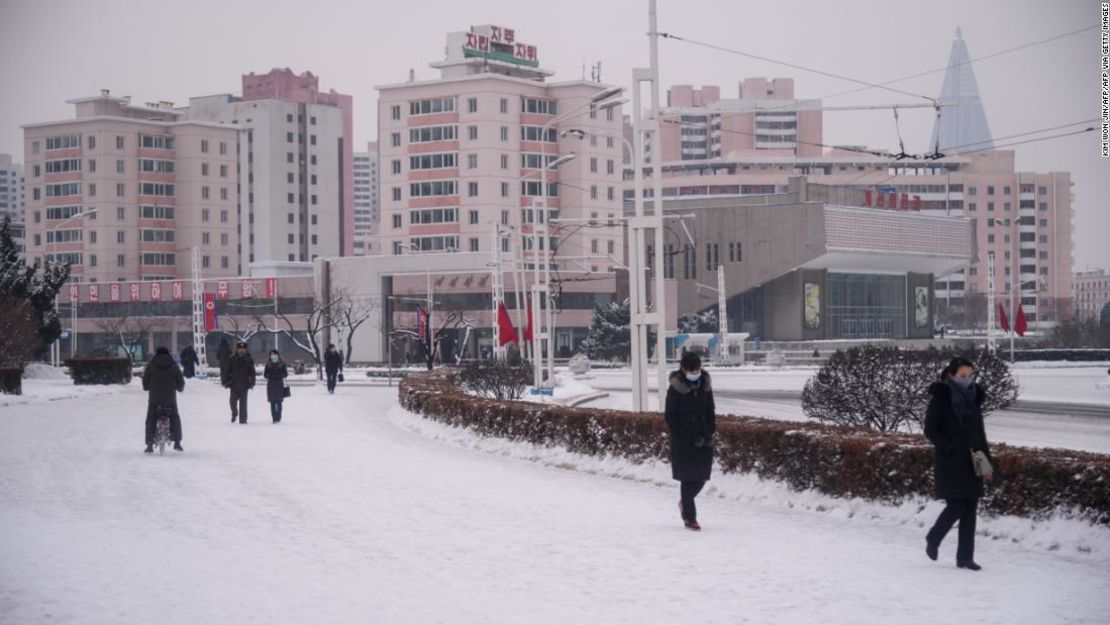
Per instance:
x=55, y=349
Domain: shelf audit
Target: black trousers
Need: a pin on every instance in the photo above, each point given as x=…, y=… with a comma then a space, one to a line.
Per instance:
x=275, y=411
x=689, y=490
x=152, y=423
x=332, y=378
x=239, y=404
x=963, y=511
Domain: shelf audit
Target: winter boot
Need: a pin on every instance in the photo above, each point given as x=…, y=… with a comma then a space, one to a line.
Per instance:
x=968, y=564
x=149, y=449
x=692, y=525
x=177, y=447
x=931, y=550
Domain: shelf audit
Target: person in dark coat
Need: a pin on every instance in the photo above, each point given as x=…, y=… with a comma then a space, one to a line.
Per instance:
x=954, y=424
x=189, y=361
x=692, y=419
x=223, y=353
x=333, y=365
x=275, y=373
x=162, y=379
x=239, y=375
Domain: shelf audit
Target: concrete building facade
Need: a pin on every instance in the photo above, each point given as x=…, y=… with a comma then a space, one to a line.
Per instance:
x=1092, y=292
x=12, y=196
x=125, y=191
x=366, y=181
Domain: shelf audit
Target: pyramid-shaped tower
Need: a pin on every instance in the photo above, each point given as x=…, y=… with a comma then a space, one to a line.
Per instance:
x=964, y=124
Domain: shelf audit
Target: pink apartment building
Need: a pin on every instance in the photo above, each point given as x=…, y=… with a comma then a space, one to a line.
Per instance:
x=124, y=191
x=461, y=154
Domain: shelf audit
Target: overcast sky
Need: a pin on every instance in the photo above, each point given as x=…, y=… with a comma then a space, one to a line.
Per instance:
x=53, y=50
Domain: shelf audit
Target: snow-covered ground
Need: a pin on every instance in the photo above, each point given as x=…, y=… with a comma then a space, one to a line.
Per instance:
x=355, y=511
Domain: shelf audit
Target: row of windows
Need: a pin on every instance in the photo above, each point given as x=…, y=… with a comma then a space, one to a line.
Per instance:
x=426, y=134
x=431, y=105
x=434, y=244
x=62, y=212
x=62, y=166
x=156, y=236
x=541, y=106
x=430, y=161
x=430, y=216
x=63, y=236
x=162, y=167
x=155, y=212
x=433, y=188
x=536, y=133
x=63, y=142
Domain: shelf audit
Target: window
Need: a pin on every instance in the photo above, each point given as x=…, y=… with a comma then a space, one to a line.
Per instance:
x=593, y=192
x=62, y=212
x=504, y=161
x=204, y=214
x=223, y=171
x=156, y=142
x=121, y=260
x=312, y=139
x=431, y=134
x=119, y=166
x=504, y=105
x=223, y=262
x=62, y=166
x=204, y=193
x=312, y=180
x=1006, y=207
x=396, y=166
x=505, y=217
x=1044, y=238
x=473, y=217
x=223, y=216
x=432, y=161
x=63, y=236
x=68, y=141
x=313, y=199
x=433, y=188
x=1005, y=190
x=434, y=244
x=92, y=190
x=689, y=262
x=541, y=106
x=121, y=236
x=504, y=133
x=204, y=146
x=735, y=253
x=432, y=216
x=396, y=194
x=990, y=238
x=472, y=189
x=471, y=161
x=971, y=206
x=610, y=193
x=289, y=199
x=223, y=239
x=593, y=165
x=223, y=147
x=472, y=105
x=535, y=161
x=92, y=260
x=473, y=245
x=535, y=188
x=712, y=256
x=158, y=166
x=396, y=248
x=289, y=137
x=610, y=167
x=536, y=133
x=990, y=206
x=66, y=189
x=431, y=105
x=204, y=262
x=1042, y=206
x=120, y=189
x=1043, y=222
x=396, y=221
x=505, y=190
x=395, y=111
x=161, y=236
x=292, y=240
x=396, y=139
x=472, y=133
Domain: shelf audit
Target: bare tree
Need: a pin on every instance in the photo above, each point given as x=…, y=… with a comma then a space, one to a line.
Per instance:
x=432, y=341
x=321, y=318
x=350, y=313
x=129, y=331
x=240, y=330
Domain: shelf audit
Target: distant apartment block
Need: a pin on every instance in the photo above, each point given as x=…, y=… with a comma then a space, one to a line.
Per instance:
x=366, y=200
x=1092, y=292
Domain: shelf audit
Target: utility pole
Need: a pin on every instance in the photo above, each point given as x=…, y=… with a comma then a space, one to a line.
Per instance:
x=199, y=331
x=990, y=302
x=723, y=356
x=498, y=291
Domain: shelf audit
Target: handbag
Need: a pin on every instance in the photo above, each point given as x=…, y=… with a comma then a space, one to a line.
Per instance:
x=285, y=392
x=340, y=378
x=982, y=465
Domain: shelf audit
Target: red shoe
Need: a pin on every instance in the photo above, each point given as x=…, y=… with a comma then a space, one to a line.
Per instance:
x=693, y=526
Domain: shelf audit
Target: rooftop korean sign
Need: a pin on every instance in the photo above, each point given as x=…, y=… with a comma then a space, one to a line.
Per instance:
x=499, y=44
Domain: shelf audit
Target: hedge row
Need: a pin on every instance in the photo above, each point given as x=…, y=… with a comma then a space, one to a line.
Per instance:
x=1075, y=354
x=100, y=370
x=833, y=460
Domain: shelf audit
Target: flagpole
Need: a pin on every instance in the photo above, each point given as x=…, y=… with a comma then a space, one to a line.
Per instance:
x=1013, y=310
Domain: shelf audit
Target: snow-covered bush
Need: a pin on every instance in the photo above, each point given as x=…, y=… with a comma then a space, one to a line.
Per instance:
x=100, y=370
x=495, y=378
x=839, y=461
x=886, y=389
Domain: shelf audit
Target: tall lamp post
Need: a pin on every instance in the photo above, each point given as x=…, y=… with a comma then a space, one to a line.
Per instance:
x=55, y=348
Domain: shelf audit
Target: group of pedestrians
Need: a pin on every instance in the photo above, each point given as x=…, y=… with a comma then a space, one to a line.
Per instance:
x=953, y=423
x=163, y=379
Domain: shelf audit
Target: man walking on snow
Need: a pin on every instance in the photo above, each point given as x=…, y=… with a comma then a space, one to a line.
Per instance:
x=238, y=375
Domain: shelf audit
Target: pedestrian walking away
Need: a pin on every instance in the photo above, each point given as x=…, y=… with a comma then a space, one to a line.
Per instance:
x=238, y=375
x=333, y=366
x=223, y=353
x=691, y=416
x=162, y=380
x=277, y=389
x=954, y=424
x=189, y=361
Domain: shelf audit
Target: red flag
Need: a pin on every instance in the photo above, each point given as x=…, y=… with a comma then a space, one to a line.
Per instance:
x=210, y=322
x=421, y=321
x=505, y=325
x=1002, y=320
x=271, y=288
x=528, y=328
x=1020, y=324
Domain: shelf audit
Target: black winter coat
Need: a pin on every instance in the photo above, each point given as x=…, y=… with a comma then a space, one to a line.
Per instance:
x=275, y=375
x=239, y=372
x=954, y=438
x=692, y=418
x=333, y=361
x=189, y=361
x=162, y=379
x=223, y=354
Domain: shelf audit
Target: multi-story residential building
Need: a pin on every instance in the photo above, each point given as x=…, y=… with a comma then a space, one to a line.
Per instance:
x=296, y=166
x=697, y=124
x=366, y=200
x=11, y=196
x=125, y=191
x=461, y=155
x=1092, y=292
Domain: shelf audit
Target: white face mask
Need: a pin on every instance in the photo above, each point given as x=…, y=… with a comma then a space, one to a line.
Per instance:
x=274, y=358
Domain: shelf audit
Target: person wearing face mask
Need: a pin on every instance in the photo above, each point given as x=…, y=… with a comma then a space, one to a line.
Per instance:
x=954, y=424
x=275, y=373
x=692, y=420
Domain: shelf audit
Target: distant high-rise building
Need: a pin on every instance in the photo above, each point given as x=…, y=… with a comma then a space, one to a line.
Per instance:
x=962, y=122
x=296, y=165
x=124, y=191
x=1092, y=292
x=366, y=200
x=11, y=195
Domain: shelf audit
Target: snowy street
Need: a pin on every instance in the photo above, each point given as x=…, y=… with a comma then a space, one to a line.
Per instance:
x=354, y=511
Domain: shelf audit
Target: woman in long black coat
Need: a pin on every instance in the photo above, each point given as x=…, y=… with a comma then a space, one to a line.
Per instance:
x=954, y=424
x=692, y=419
x=275, y=373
